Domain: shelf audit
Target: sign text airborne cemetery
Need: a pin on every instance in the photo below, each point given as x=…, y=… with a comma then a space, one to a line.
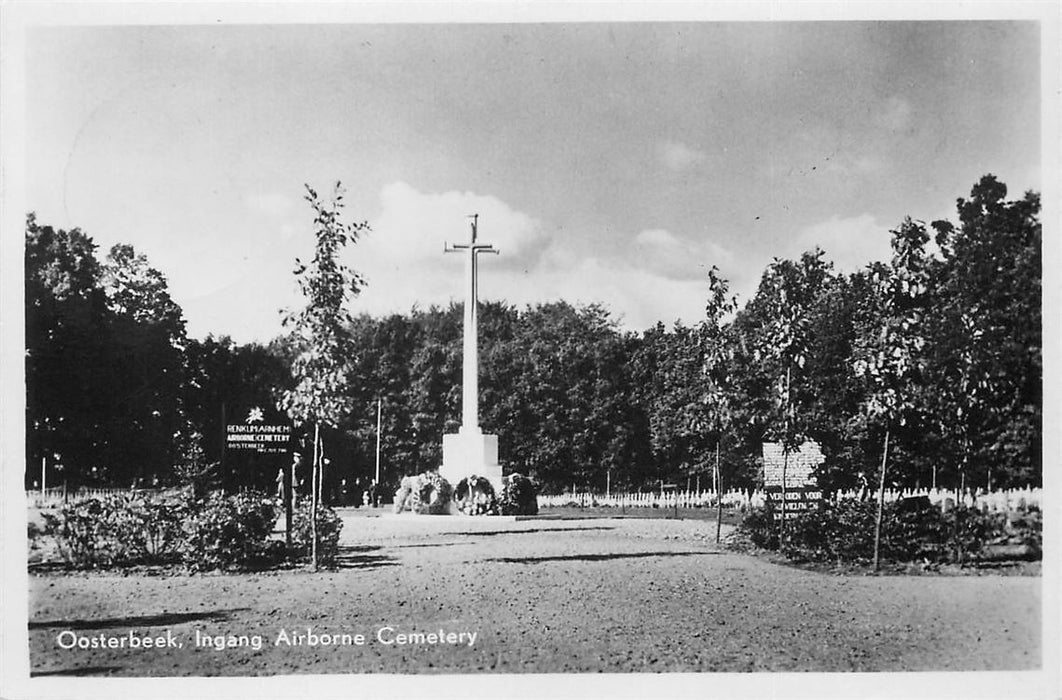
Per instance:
x=257, y=436
x=801, y=489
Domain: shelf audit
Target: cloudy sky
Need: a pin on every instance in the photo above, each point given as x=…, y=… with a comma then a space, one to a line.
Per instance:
x=611, y=162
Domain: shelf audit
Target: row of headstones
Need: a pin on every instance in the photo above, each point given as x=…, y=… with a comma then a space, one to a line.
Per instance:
x=668, y=499
x=1001, y=501
x=58, y=495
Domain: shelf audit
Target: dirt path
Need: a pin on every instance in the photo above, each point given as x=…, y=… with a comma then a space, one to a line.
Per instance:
x=541, y=596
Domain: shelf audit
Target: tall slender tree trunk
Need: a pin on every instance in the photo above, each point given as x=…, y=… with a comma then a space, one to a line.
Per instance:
x=785, y=447
x=881, y=502
x=718, y=496
x=289, y=497
x=960, y=554
x=315, y=489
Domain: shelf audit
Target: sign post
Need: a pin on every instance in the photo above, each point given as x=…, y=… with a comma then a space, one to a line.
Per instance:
x=256, y=437
x=788, y=478
x=289, y=498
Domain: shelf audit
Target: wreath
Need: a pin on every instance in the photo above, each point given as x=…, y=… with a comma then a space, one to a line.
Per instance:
x=519, y=496
x=405, y=488
x=430, y=494
x=475, y=496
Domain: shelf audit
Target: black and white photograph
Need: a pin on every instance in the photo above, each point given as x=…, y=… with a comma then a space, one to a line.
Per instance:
x=596, y=350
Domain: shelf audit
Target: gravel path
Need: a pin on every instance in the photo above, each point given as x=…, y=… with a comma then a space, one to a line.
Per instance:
x=542, y=596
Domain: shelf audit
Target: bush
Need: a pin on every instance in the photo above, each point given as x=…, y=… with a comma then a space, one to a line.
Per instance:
x=841, y=531
x=519, y=496
x=329, y=526
x=1024, y=526
x=475, y=496
x=79, y=532
x=430, y=494
x=910, y=531
x=117, y=531
x=760, y=529
x=146, y=531
x=230, y=532
x=914, y=529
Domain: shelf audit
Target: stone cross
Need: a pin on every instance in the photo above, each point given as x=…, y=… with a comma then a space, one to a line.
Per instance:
x=469, y=452
x=470, y=365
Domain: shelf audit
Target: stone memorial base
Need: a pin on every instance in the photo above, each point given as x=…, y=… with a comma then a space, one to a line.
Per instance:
x=471, y=452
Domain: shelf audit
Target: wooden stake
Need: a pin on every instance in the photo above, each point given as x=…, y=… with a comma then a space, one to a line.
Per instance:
x=718, y=495
x=881, y=501
x=315, y=486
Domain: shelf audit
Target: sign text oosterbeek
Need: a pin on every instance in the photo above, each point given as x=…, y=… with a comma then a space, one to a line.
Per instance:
x=259, y=437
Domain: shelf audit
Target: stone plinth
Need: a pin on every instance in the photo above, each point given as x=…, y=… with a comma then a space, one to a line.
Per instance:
x=470, y=452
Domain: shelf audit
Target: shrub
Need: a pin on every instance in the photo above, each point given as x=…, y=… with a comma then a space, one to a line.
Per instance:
x=144, y=530
x=117, y=531
x=329, y=526
x=79, y=532
x=431, y=494
x=914, y=529
x=475, y=496
x=1024, y=526
x=911, y=531
x=230, y=531
x=760, y=529
x=968, y=530
x=519, y=496
x=842, y=531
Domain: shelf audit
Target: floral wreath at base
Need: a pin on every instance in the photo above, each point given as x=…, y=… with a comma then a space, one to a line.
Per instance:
x=519, y=495
x=405, y=488
x=474, y=495
x=430, y=494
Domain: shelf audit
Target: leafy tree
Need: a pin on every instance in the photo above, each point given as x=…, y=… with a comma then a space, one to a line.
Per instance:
x=888, y=355
x=718, y=385
x=435, y=390
x=564, y=413
x=321, y=395
x=789, y=291
x=828, y=395
x=104, y=361
x=987, y=337
x=147, y=345
x=384, y=372
x=222, y=378
x=68, y=375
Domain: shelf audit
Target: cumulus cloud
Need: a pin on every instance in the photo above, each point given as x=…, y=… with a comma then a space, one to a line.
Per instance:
x=636, y=296
x=402, y=257
x=668, y=255
x=678, y=156
x=414, y=224
x=662, y=276
x=850, y=242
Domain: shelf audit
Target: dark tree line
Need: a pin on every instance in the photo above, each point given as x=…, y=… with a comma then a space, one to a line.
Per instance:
x=941, y=347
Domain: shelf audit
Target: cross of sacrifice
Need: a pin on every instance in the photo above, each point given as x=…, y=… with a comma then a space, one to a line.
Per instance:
x=470, y=365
